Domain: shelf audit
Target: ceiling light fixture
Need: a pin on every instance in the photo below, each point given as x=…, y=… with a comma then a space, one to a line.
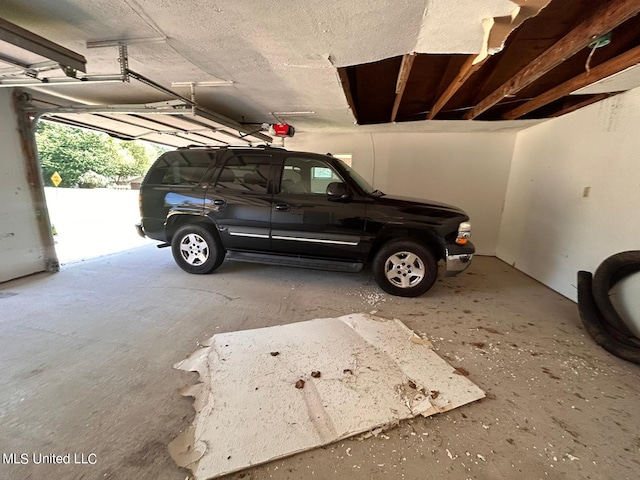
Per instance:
x=291, y=114
x=212, y=83
x=125, y=41
x=278, y=115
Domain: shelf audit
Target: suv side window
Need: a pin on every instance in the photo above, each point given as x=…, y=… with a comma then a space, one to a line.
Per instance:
x=180, y=168
x=245, y=173
x=307, y=175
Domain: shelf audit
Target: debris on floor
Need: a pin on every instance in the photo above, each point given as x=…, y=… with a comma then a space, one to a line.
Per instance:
x=333, y=378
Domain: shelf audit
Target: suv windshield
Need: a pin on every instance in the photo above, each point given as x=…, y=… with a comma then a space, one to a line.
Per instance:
x=362, y=183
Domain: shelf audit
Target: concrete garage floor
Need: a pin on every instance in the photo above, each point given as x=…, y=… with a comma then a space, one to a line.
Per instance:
x=87, y=359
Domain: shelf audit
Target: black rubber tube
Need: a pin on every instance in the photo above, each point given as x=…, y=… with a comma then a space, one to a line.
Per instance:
x=595, y=325
x=610, y=272
x=607, y=329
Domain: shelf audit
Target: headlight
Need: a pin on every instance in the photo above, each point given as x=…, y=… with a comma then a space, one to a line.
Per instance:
x=464, y=232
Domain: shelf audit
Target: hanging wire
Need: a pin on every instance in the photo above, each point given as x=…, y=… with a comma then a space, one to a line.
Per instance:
x=462, y=109
x=599, y=42
x=587, y=64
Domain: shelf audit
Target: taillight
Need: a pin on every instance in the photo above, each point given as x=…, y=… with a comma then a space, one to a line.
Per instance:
x=464, y=232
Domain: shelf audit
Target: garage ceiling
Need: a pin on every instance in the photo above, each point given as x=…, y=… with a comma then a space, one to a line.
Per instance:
x=324, y=66
x=540, y=72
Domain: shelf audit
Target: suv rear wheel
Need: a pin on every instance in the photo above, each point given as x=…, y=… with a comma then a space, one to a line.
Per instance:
x=196, y=250
x=405, y=268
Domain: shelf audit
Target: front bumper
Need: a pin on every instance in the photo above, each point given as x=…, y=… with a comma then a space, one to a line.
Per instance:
x=140, y=230
x=458, y=258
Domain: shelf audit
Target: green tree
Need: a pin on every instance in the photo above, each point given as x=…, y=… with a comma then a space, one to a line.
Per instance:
x=135, y=159
x=74, y=152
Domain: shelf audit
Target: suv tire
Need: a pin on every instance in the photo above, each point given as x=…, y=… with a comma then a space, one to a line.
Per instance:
x=405, y=268
x=196, y=250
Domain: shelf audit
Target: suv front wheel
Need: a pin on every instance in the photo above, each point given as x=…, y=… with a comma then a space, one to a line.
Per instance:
x=405, y=268
x=196, y=250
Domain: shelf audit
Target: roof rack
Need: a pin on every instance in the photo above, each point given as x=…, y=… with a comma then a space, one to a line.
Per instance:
x=232, y=147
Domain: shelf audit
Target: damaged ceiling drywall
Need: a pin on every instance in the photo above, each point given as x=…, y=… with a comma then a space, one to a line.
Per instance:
x=473, y=27
x=324, y=65
x=273, y=392
x=535, y=71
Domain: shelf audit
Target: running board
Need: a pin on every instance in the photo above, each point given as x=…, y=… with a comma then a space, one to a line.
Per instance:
x=288, y=261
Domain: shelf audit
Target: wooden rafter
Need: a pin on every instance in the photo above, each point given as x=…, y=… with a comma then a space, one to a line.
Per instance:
x=467, y=69
x=346, y=86
x=584, y=103
x=603, y=20
x=403, y=76
x=611, y=67
x=447, y=74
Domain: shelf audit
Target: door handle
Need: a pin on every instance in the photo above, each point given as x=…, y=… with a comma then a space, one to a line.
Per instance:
x=219, y=202
x=282, y=207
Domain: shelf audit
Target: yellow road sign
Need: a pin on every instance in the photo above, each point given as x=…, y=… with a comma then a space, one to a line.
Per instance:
x=56, y=178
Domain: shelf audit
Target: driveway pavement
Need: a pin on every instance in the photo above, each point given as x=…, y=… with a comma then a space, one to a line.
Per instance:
x=93, y=222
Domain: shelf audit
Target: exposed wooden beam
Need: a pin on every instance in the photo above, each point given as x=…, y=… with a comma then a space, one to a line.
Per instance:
x=604, y=19
x=610, y=67
x=346, y=86
x=403, y=76
x=467, y=69
x=584, y=103
x=449, y=72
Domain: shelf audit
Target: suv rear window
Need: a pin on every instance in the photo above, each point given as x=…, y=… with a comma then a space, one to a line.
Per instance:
x=180, y=168
x=245, y=173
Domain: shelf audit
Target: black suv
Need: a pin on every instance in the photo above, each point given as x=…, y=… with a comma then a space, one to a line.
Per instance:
x=275, y=206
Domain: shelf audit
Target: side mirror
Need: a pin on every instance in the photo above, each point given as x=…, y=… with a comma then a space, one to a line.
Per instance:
x=338, y=191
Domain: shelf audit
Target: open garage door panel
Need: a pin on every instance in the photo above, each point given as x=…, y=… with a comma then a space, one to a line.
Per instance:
x=168, y=123
x=67, y=96
x=162, y=129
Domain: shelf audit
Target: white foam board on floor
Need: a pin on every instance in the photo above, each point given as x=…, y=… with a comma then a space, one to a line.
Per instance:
x=373, y=373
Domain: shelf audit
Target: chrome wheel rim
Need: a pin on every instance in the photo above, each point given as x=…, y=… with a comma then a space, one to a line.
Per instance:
x=404, y=269
x=194, y=249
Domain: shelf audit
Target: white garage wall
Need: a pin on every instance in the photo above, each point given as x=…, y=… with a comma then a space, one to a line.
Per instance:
x=550, y=229
x=21, y=251
x=469, y=170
